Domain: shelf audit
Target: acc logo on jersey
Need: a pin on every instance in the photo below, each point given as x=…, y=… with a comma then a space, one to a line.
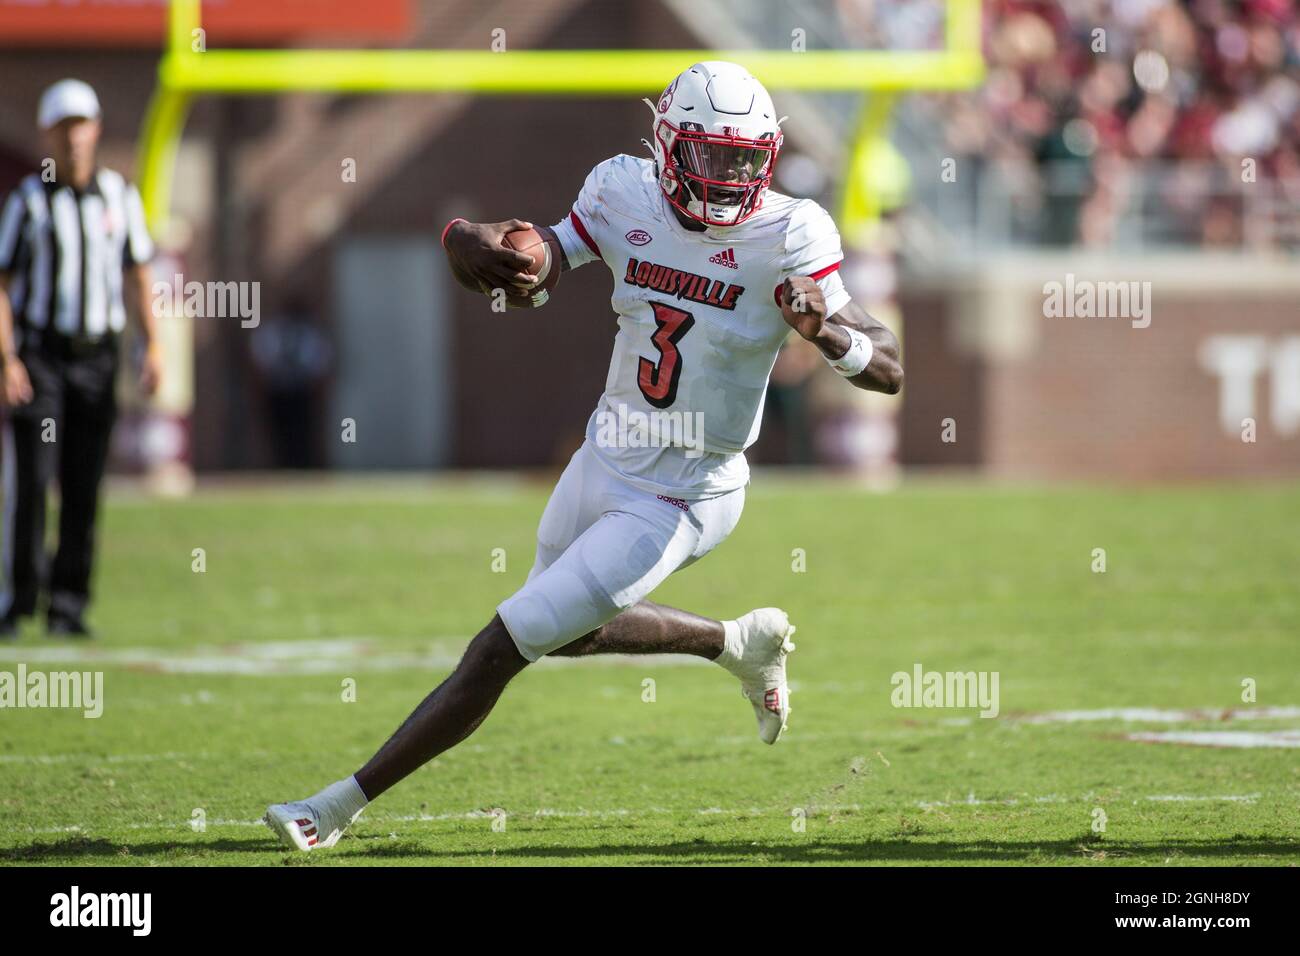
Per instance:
x=638, y=237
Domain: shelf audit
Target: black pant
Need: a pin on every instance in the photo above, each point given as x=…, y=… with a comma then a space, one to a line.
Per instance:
x=64, y=432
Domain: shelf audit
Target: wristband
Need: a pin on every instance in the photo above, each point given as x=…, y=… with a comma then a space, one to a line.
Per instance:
x=447, y=228
x=857, y=358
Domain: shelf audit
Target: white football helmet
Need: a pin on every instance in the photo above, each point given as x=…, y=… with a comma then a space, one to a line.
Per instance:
x=716, y=136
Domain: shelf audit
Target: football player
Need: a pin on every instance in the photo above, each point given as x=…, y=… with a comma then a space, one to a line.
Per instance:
x=711, y=269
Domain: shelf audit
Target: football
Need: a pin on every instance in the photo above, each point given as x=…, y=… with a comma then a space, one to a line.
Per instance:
x=545, y=266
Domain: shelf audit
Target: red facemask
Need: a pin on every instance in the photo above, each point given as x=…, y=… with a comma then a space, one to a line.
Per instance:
x=717, y=173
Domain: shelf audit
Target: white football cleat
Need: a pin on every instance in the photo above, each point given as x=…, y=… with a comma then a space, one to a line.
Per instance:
x=760, y=664
x=298, y=825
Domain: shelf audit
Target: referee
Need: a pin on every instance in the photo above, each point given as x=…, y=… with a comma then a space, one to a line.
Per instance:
x=69, y=237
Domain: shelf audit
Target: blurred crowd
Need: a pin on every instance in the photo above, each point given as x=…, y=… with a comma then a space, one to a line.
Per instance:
x=1199, y=99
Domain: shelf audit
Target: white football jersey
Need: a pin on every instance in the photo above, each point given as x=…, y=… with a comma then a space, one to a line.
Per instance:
x=699, y=325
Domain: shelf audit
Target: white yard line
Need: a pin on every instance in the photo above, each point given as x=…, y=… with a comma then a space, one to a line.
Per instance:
x=481, y=814
x=1152, y=715
x=972, y=801
x=347, y=655
x=621, y=812
x=1221, y=738
x=1184, y=798
x=103, y=758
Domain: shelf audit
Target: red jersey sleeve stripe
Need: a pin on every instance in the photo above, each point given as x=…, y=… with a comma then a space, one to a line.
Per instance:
x=819, y=274
x=585, y=236
x=823, y=273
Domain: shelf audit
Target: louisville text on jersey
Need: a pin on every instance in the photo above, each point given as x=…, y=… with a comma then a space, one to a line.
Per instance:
x=683, y=285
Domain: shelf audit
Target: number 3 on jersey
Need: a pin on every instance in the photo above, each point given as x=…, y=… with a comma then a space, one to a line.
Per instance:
x=658, y=382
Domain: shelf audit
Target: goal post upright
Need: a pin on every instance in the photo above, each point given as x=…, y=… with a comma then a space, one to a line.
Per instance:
x=165, y=116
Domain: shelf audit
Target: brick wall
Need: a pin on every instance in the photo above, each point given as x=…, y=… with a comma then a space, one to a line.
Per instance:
x=1076, y=397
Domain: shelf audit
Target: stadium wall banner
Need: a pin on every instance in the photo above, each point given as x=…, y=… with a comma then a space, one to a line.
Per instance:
x=96, y=23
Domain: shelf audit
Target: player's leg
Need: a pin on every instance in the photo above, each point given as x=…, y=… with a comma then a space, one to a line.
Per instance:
x=645, y=538
x=610, y=568
x=591, y=600
x=457, y=706
x=452, y=712
x=460, y=703
x=37, y=434
x=649, y=628
x=89, y=412
x=753, y=648
x=752, y=651
x=33, y=466
x=8, y=490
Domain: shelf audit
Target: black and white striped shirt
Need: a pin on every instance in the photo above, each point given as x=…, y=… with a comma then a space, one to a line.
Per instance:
x=65, y=252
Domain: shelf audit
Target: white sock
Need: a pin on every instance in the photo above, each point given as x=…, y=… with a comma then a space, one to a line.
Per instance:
x=731, y=646
x=340, y=802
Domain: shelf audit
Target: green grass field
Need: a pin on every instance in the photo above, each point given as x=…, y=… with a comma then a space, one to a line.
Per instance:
x=224, y=689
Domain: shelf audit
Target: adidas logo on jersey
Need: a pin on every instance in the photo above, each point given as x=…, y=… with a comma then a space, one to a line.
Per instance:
x=727, y=257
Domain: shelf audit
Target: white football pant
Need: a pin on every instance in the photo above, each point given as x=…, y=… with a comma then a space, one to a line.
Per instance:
x=604, y=545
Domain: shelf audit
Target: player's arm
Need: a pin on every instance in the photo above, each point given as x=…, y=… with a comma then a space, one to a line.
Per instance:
x=479, y=258
x=15, y=389
x=137, y=254
x=141, y=278
x=548, y=233
x=803, y=306
x=481, y=261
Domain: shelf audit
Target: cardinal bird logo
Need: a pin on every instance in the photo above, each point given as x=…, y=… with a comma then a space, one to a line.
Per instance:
x=666, y=100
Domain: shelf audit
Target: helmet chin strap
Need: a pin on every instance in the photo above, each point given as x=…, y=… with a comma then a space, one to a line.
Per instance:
x=654, y=111
x=650, y=146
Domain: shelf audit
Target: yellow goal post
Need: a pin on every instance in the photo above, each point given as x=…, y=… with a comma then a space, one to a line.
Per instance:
x=187, y=69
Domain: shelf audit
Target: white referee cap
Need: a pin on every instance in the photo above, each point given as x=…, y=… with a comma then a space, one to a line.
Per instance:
x=67, y=98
